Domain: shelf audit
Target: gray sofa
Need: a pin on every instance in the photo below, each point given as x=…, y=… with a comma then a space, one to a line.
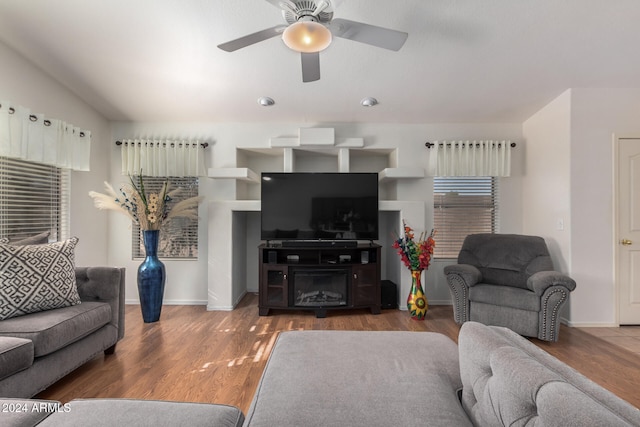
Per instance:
x=494, y=377
x=38, y=349
x=116, y=412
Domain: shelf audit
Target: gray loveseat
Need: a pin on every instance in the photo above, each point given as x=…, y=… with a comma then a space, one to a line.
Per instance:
x=38, y=349
x=494, y=377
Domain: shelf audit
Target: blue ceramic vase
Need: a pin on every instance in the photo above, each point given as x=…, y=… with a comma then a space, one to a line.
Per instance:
x=151, y=278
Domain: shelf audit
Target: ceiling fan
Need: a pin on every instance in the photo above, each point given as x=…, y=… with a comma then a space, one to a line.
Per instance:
x=310, y=29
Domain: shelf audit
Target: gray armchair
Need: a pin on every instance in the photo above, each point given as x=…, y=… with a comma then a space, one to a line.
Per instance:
x=508, y=280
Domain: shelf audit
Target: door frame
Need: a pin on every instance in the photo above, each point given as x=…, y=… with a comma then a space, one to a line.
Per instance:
x=616, y=226
x=615, y=145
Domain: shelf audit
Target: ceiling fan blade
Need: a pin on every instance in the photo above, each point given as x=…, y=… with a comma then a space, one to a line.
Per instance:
x=254, y=38
x=369, y=34
x=310, y=67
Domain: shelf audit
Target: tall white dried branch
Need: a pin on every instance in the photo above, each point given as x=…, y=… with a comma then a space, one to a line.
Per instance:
x=110, y=201
x=187, y=208
x=150, y=211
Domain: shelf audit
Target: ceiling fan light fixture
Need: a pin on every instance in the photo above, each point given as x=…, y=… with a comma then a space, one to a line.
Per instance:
x=307, y=36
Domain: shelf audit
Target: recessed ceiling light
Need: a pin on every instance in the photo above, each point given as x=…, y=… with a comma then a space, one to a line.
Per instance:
x=265, y=101
x=369, y=102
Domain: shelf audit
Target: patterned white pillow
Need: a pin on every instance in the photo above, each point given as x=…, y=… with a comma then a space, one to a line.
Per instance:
x=36, y=278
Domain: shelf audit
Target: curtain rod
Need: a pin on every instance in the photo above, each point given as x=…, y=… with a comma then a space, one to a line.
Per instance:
x=203, y=144
x=431, y=144
x=34, y=118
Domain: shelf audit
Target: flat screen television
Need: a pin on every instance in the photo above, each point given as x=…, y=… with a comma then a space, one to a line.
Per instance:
x=319, y=206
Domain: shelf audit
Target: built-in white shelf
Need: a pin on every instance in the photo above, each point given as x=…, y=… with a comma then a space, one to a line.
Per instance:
x=400, y=173
x=241, y=174
x=316, y=147
x=247, y=175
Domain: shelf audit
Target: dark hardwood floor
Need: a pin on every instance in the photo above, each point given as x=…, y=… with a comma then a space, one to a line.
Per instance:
x=212, y=356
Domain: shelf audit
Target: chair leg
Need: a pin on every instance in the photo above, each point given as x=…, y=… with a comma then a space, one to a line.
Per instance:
x=110, y=350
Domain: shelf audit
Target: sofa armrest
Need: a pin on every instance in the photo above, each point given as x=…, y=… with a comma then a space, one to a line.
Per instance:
x=470, y=274
x=104, y=284
x=459, y=278
x=26, y=412
x=542, y=280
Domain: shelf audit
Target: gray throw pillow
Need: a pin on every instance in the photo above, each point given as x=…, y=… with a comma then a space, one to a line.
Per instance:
x=38, y=239
x=36, y=278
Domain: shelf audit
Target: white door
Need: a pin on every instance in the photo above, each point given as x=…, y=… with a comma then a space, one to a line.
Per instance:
x=628, y=237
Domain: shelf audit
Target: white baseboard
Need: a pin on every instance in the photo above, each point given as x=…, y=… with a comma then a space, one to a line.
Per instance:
x=439, y=302
x=170, y=302
x=219, y=308
x=225, y=307
x=590, y=325
x=403, y=305
x=236, y=302
x=571, y=324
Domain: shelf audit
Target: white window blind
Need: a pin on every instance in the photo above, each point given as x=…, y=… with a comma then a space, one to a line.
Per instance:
x=463, y=206
x=34, y=198
x=178, y=237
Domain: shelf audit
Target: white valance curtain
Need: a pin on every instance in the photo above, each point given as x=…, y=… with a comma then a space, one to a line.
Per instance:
x=162, y=157
x=470, y=158
x=36, y=138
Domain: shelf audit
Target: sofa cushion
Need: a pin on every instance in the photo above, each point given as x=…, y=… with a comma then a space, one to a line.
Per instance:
x=35, y=278
x=53, y=329
x=129, y=412
x=506, y=259
x=359, y=378
x=16, y=354
x=508, y=296
x=25, y=412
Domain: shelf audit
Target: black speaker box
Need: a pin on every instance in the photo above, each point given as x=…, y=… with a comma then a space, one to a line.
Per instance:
x=389, y=294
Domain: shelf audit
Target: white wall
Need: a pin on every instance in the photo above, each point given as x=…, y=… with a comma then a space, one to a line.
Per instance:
x=546, y=207
x=24, y=84
x=187, y=280
x=105, y=236
x=546, y=178
x=596, y=115
x=569, y=175
x=583, y=198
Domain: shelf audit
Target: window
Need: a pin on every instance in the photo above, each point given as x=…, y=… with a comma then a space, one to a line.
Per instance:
x=34, y=198
x=463, y=206
x=179, y=237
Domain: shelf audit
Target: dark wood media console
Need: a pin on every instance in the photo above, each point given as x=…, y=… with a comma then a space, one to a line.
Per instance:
x=319, y=278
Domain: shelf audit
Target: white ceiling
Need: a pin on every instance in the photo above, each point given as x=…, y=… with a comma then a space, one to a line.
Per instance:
x=464, y=60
